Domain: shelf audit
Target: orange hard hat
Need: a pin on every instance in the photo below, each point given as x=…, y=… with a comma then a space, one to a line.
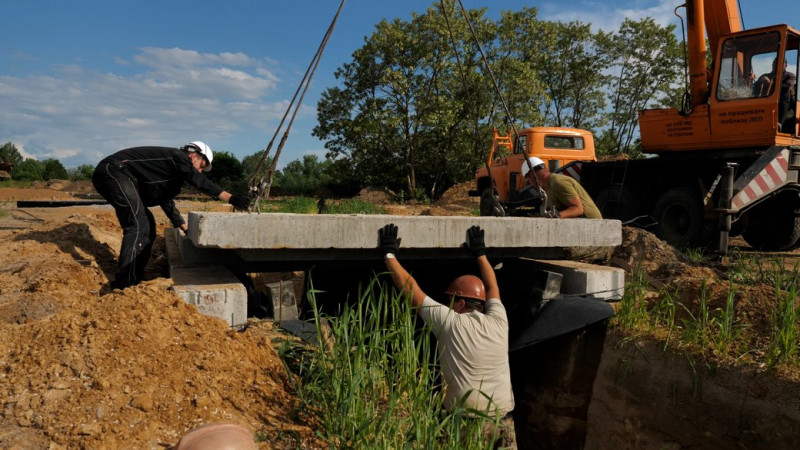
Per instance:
x=467, y=286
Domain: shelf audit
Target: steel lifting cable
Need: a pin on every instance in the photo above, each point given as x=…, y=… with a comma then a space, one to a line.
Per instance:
x=499, y=94
x=686, y=98
x=261, y=187
x=488, y=69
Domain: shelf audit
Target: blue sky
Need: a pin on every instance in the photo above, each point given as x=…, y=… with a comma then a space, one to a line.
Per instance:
x=81, y=79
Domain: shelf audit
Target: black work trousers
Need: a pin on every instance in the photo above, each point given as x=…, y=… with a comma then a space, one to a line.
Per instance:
x=116, y=184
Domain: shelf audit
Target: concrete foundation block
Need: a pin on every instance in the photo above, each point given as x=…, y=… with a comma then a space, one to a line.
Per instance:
x=214, y=291
x=284, y=303
x=212, y=288
x=583, y=278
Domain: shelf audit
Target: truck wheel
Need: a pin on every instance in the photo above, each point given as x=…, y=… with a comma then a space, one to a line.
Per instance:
x=617, y=203
x=679, y=214
x=774, y=225
x=490, y=204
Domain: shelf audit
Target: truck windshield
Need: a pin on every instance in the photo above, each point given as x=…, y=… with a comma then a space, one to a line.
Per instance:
x=745, y=61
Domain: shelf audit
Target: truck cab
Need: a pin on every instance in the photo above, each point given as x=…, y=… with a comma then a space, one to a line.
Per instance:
x=500, y=184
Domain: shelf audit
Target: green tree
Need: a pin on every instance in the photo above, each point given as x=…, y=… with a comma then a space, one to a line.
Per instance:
x=10, y=154
x=252, y=163
x=228, y=172
x=305, y=176
x=414, y=114
x=52, y=169
x=82, y=172
x=646, y=62
x=570, y=68
x=29, y=170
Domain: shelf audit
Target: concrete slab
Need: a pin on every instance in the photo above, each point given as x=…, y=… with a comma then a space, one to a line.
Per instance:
x=579, y=278
x=251, y=231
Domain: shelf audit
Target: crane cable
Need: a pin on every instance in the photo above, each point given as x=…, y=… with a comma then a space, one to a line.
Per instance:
x=509, y=117
x=686, y=98
x=466, y=89
x=259, y=188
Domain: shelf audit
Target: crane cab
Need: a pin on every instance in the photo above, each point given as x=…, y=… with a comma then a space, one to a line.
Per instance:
x=749, y=105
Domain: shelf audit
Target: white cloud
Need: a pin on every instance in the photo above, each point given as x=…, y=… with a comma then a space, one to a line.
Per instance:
x=164, y=97
x=22, y=152
x=607, y=16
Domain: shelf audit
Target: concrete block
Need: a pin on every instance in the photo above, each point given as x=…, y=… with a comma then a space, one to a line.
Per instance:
x=284, y=303
x=550, y=282
x=173, y=251
x=214, y=290
x=251, y=231
x=582, y=278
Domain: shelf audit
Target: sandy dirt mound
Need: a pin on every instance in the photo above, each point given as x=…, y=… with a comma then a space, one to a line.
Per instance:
x=666, y=270
x=376, y=196
x=81, y=367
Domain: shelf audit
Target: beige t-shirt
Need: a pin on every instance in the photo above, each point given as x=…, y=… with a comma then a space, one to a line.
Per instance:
x=473, y=355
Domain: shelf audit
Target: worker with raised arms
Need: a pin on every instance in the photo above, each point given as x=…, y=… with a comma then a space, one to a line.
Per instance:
x=471, y=330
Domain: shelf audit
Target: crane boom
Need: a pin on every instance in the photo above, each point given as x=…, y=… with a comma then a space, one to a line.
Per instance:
x=715, y=18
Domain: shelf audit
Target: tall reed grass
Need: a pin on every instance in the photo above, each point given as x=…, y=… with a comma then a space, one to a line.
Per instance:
x=373, y=383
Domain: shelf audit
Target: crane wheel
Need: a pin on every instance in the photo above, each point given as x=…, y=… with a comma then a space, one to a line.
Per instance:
x=774, y=224
x=679, y=214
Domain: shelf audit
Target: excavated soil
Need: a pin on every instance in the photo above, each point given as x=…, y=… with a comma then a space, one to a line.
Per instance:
x=85, y=367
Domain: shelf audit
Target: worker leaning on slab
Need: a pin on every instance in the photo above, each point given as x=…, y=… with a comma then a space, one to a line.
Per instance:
x=471, y=330
x=134, y=179
x=566, y=198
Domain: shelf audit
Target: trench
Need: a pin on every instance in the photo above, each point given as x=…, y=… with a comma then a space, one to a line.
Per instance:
x=587, y=386
x=558, y=391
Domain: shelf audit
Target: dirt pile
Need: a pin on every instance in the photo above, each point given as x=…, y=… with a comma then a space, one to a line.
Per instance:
x=81, y=367
x=668, y=272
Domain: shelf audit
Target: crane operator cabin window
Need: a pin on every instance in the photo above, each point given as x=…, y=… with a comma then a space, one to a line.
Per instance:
x=744, y=59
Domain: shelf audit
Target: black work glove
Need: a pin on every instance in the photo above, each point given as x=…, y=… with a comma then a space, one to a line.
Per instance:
x=475, y=243
x=388, y=242
x=240, y=201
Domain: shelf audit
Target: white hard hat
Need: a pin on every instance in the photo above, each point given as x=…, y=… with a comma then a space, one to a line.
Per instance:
x=534, y=162
x=203, y=149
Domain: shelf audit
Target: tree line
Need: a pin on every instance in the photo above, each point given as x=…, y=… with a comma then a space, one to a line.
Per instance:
x=306, y=176
x=415, y=108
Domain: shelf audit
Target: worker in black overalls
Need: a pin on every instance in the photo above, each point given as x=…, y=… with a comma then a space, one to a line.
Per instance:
x=137, y=178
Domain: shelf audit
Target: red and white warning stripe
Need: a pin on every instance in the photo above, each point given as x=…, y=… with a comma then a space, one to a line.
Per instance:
x=770, y=178
x=572, y=170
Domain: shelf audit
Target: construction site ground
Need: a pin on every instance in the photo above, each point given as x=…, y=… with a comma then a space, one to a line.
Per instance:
x=82, y=366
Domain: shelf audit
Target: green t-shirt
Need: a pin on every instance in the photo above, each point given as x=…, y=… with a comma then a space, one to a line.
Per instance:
x=561, y=189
